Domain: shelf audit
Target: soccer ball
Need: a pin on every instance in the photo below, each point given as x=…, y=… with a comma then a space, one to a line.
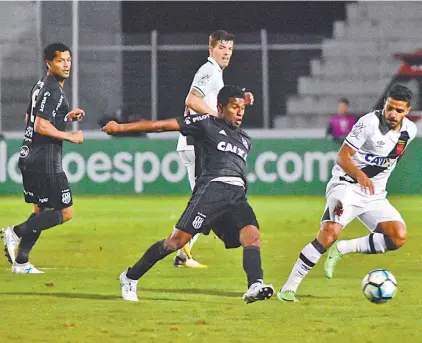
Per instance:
x=379, y=286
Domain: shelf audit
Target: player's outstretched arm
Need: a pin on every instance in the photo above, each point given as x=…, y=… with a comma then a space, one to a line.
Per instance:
x=45, y=128
x=345, y=161
x=142, y=126
x=195, y=101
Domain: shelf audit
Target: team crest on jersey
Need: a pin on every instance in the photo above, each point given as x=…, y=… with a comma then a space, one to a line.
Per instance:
x=400, y=146
x=245, y=143
x=203, y=79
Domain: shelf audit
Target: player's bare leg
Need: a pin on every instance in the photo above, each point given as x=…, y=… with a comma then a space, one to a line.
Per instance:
x=257, y=290
x=387, y=236
x=156, y=252
x=308, y=258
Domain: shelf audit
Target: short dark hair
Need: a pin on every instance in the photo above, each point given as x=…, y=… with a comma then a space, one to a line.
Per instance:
x=400, y=93
x=220, y=35
x=229, y=91
x=50, y=50
x=344, y=101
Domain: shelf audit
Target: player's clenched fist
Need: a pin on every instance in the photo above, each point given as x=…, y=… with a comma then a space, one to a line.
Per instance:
x=77, y=137
x=111, y=127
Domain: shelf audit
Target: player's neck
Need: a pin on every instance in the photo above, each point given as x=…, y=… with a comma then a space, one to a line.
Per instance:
x=59, y=79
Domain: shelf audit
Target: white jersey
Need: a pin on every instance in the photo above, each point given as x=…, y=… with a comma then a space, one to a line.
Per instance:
x=377, y=150
x=208, y=81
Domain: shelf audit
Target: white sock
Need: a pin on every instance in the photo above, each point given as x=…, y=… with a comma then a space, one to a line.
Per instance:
x=309, y=256
x=193, y=240
x=370, y=244
x=181, y=253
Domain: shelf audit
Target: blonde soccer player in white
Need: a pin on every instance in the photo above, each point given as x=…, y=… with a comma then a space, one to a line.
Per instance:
x=202, y=99
x=357, y=189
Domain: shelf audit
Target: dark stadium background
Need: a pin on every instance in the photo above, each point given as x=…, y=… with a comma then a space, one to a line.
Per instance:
x=293, y=22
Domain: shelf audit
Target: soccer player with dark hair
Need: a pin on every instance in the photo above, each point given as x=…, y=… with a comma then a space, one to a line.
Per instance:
x=202, y=98
x=218, y=201
x=357, y=189
x=40, y=161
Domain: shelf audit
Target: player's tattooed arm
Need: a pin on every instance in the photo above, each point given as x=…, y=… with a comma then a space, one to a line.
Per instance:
x=142, y=126
x=345, y=161
x=195, y=101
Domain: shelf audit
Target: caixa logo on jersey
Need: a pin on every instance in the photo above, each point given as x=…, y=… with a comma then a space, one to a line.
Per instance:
x=380, y=161
x=224, y=146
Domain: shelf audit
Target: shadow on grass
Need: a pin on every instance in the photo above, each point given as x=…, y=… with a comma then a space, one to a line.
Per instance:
x=217, y=292
x=86, y=296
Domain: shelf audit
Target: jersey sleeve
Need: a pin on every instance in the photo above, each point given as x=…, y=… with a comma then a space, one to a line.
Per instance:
x=203, y=80
x=359, y=134
x=47, y=101
x=196, y=126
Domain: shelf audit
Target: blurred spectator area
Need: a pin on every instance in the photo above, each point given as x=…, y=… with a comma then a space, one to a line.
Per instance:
x=306, y=73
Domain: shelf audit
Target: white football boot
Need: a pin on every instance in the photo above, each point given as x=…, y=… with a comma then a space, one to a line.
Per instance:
x=11, y=242
x=25, y=268
x=128, y=287
x=258, y=291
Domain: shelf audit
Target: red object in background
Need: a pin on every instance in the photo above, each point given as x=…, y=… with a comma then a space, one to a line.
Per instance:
x=411, y=68
x=411, y=63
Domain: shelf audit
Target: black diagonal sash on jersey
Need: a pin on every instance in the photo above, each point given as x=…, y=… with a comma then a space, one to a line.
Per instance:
x=396, y=153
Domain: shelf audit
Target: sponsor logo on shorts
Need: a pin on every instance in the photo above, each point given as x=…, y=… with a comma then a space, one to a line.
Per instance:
x=43, y=200
x=66, y=198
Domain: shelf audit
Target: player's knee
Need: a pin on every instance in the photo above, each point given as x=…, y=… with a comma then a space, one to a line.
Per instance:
x=250, y=236
x=397, y=238
x=329, y=233
x=171, y=244
x=67, y=214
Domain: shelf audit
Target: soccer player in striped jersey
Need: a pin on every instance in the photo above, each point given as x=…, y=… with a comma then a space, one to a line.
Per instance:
x=357, y=189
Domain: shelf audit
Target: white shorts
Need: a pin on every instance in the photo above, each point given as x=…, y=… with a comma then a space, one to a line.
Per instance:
x=344, y=204
x=188, y=159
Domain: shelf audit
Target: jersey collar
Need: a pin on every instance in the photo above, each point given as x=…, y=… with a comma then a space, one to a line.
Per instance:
x=214, y=63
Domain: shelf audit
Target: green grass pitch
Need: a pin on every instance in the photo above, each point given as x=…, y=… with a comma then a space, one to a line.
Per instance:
x=78, y=299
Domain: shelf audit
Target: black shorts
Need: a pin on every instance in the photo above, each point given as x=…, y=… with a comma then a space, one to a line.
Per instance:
x=221, y=207
x=47, y=190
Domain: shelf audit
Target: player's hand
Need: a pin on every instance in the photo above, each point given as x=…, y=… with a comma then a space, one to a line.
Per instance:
x=366, y=184
x=75, y=115
x=249, y=99
x=77, y=137
x=111, y=127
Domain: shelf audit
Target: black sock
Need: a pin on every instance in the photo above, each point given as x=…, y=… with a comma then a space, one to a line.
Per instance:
x=17, y=230
x=25, y=246
x=155, y=253
x=42, y=221
x=252, y=264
